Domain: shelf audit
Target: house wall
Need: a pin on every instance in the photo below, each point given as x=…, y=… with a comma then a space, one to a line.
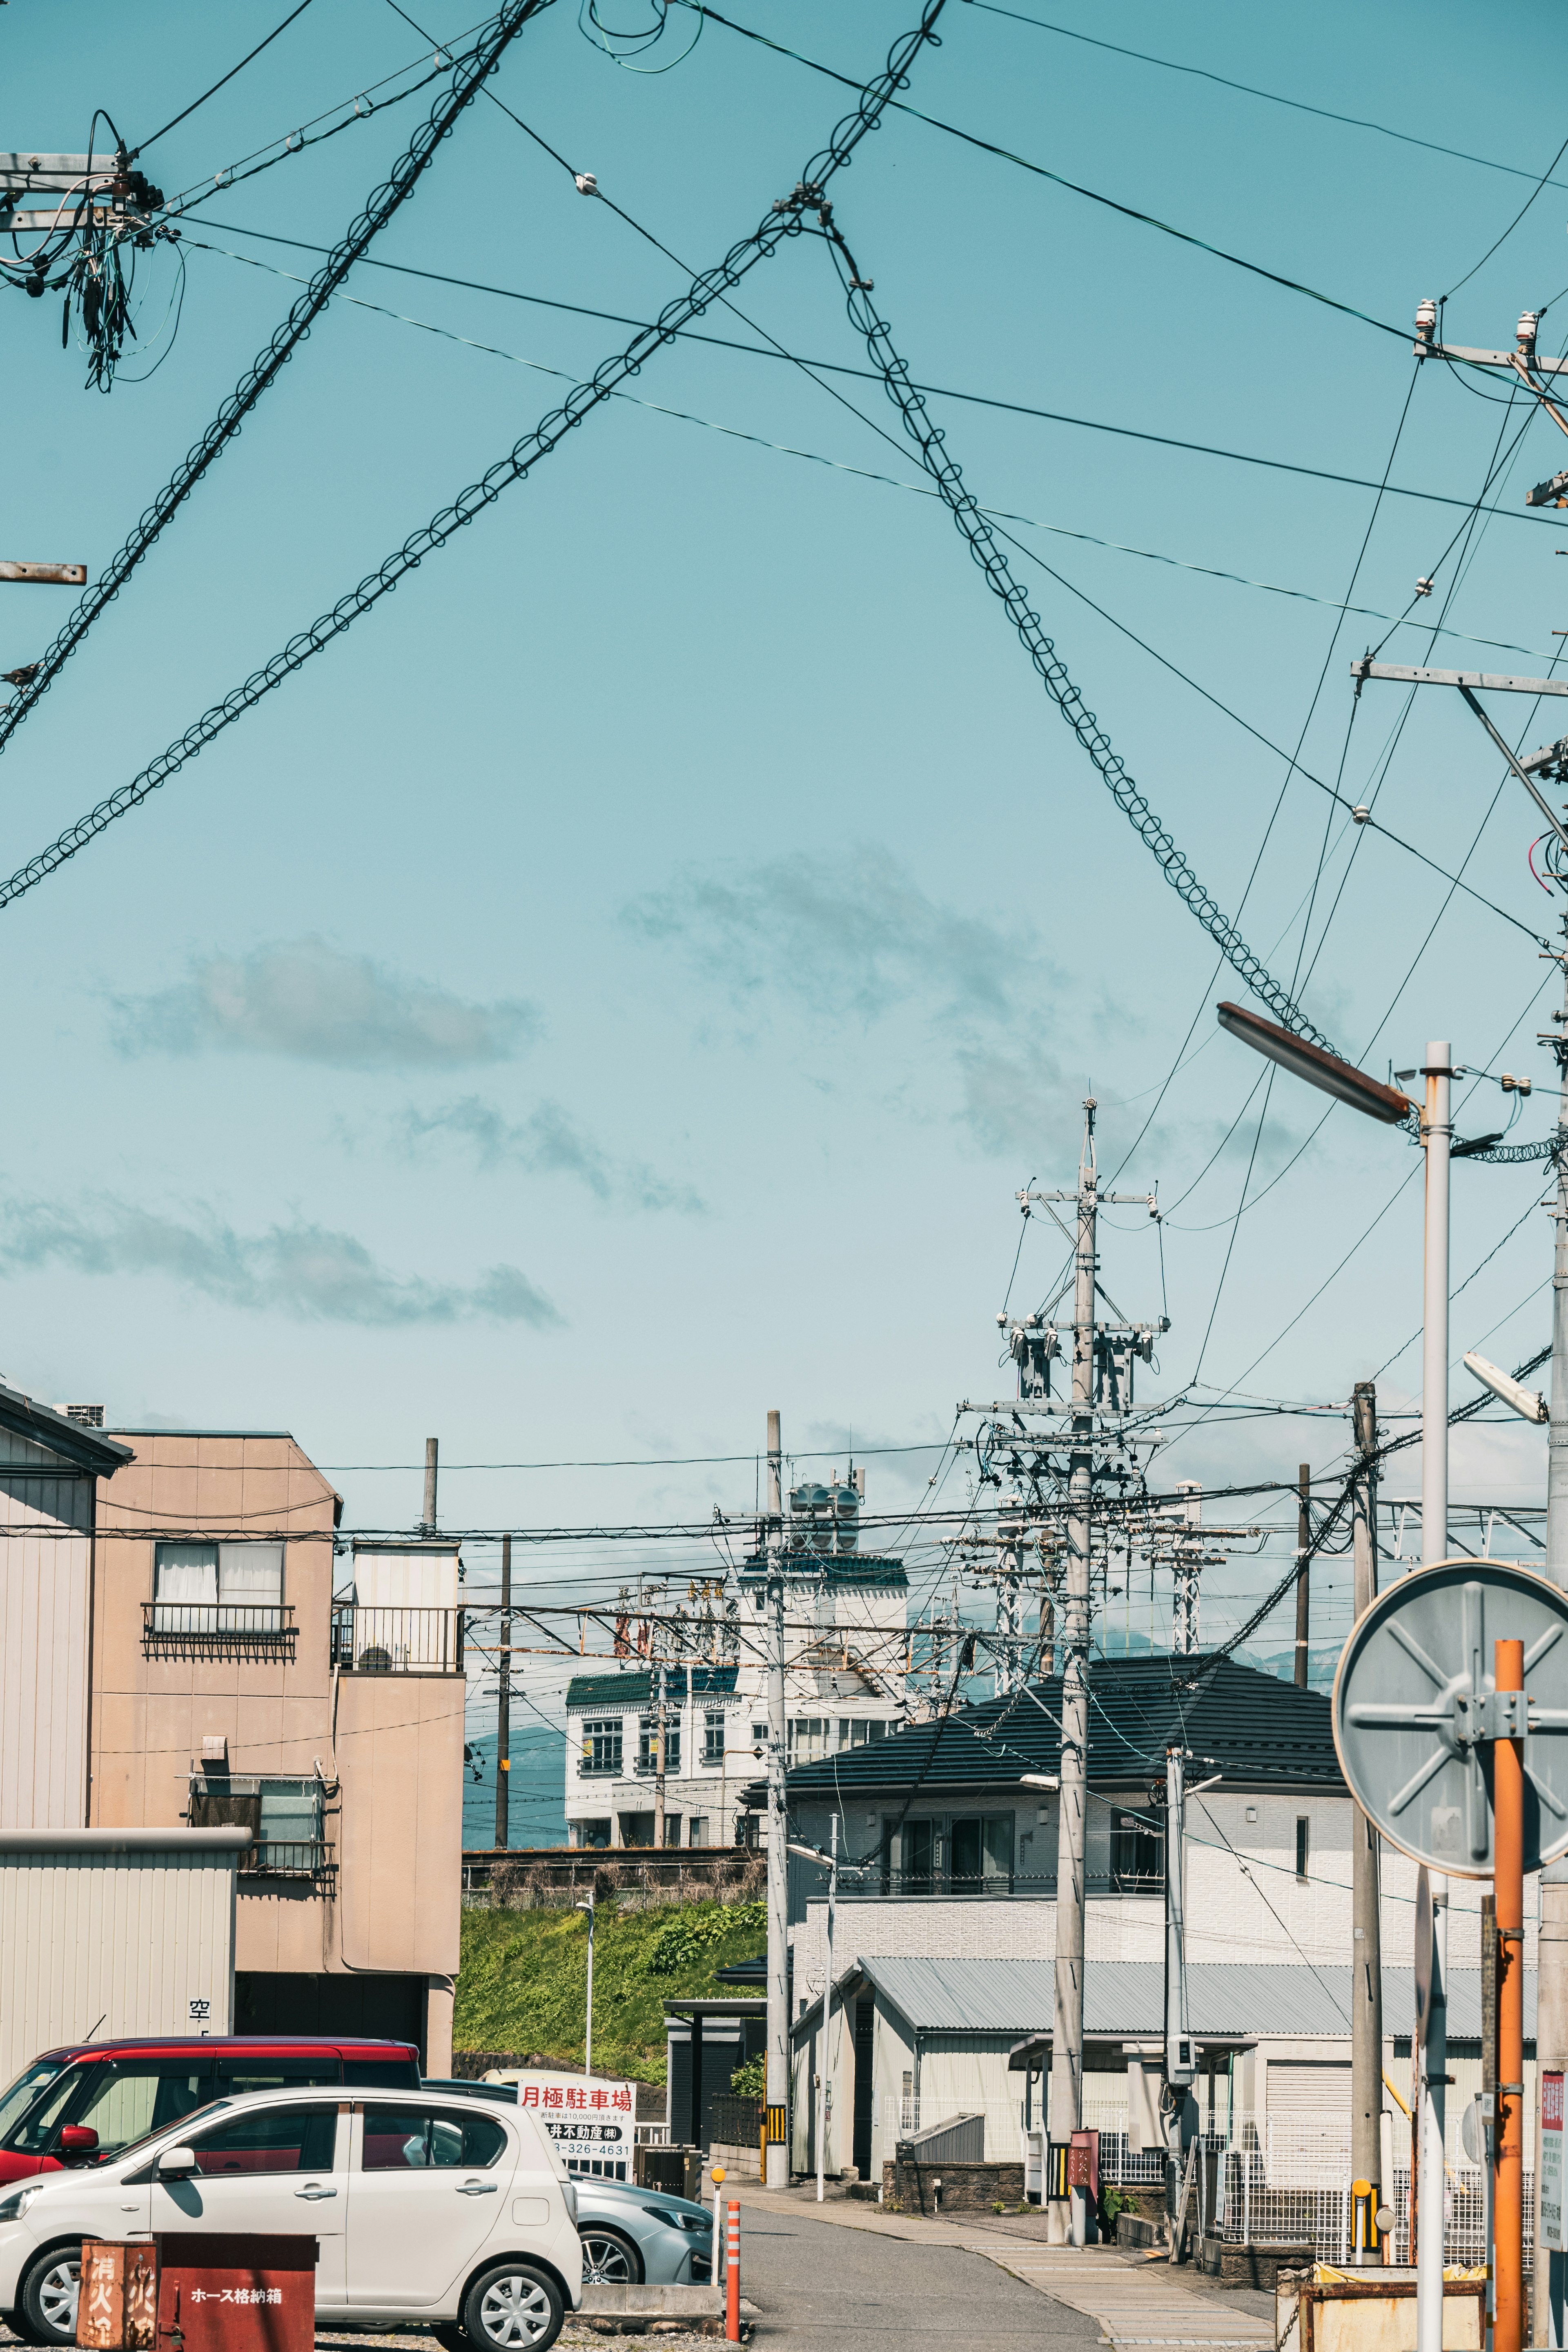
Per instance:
x=390, y=1744
x=46, y=1582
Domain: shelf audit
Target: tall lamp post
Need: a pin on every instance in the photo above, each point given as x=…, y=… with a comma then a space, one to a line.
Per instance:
x=1387, y=1105
x=588, y=2034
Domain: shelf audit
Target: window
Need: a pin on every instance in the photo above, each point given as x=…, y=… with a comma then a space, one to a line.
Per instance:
x=225, y=1583
x=595, y=1835
x=857, y=1732
x=602, y=1744
x=696, y=1830
x=907, y=1857
x=121, y=2099
x=978, y=1851
x=235, y=2075
x=411, y=2139
x=270, y=2140
x=713, y=1735
x=286, y=1818
x=1302, y=1826
x=1137, y=1853
x=648, y=1743
x=807, y=1738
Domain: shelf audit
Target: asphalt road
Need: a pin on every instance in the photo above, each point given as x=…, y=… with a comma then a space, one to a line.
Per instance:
x=815, y=2286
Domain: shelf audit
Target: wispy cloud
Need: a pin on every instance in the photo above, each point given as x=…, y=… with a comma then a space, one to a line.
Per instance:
x=308, y=1000
x=855, y=934
x=308, y=1271
x=549, y=1143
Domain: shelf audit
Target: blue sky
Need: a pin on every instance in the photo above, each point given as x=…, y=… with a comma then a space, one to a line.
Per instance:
x=622, y=985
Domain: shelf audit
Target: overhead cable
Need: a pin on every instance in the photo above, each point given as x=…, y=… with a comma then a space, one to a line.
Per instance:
x=223, y=84
x=777, y=224
x=1272, y=97
x=928, y=443
x=1073, y=187
x=935, y=391
x=467, y=78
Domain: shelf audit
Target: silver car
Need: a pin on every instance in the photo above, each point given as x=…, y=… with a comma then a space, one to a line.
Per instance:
x=631, y=2236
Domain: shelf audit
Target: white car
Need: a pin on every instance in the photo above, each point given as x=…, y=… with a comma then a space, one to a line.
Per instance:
x=431, y=2212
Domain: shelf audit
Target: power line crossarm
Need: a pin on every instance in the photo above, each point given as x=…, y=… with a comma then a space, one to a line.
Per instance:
x=930, y=445
x=467, y=76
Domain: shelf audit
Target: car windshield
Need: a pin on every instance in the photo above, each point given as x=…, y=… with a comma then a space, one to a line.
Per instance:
x=25, y=2089
x=121, y=2099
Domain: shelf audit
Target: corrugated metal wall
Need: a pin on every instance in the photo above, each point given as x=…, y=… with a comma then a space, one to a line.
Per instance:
x=44, y=1613
x=133, y=1940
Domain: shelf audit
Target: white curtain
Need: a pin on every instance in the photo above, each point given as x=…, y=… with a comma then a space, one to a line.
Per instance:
x=251, y=1574
x=187, y=1574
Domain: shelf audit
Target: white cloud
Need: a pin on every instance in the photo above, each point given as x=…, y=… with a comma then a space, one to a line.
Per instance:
x=308, y=1001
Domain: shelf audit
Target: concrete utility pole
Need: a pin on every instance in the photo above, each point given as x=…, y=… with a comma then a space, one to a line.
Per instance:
x=1557, y=1446
x=1366, y=1918
x=1436, y=1134
x=1551, y=2043
x=432, y=1459
x=660, y=1683
x=1179, y=2068
x=1432, y=1938
x=1551, y=1955
x=776, y=2168
x=1303, y=1581
x=503, y=1696
x=1065, y=2109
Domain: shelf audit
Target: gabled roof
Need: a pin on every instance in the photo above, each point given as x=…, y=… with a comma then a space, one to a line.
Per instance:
x=1261, y=1732
x=27, y=1418
x=1226, y=1998
x=636, y=1689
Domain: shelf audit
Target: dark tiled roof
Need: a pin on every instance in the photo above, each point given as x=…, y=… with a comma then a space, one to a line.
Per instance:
x=838, y=1568
x=636, y=1689
x=1258, y=1730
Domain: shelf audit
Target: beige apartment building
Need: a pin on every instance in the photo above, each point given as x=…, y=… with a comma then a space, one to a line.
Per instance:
x=249, y=1666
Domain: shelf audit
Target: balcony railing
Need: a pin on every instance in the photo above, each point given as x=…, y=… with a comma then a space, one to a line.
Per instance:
x=309, y=1858
x=995, y=1886
x=397, y=1641
x=217, y=1629
x=646, y=1770
x=594, y=1767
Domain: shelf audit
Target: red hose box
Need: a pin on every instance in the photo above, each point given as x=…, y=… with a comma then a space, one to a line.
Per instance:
x=218, y=2294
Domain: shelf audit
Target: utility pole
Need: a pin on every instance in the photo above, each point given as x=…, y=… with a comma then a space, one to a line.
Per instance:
x=432, y=1460
x=776, y=2161
x=1066, y=2108
x=1179, y=2069
x=1303, y=1581
x=1552, y=1949
x=1557, y=1446
x=660, y=1694
x=823, y=2075
x=504, y=1698
x=1366, y=1915
x=1431, y=1949
x=1436, y=1134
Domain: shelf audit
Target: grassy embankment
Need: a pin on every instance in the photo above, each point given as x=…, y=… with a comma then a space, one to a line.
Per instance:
x=523, y=1981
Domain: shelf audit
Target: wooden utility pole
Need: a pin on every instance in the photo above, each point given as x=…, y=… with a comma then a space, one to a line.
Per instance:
x=1303, y=1581
x=503, y=1702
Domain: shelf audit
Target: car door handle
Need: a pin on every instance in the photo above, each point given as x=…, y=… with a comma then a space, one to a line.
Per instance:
x=315, y=2190
x=477, y=2188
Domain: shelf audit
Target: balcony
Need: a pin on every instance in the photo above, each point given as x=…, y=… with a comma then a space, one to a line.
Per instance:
x=397, y=1641
x=307, y=1858
x=217, y=1629
x=593, y=1768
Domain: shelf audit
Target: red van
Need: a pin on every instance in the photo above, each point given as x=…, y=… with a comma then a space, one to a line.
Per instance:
x=83, y=2104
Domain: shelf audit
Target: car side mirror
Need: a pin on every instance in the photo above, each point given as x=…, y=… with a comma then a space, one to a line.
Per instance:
x=173, y=2163
x=79, y=2139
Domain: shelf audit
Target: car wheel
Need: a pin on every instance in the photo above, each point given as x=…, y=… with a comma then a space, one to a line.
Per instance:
x=49, y=2297
x=512, y=2306
x=608, y=2259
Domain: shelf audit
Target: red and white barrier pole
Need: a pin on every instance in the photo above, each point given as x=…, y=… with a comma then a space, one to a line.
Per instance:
x=732, y=2277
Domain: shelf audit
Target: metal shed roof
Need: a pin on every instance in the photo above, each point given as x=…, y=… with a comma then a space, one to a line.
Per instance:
x=1225, y=1998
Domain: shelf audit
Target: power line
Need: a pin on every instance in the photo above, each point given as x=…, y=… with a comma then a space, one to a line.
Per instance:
x=1248, y=89
x=410, y=167
x=933, y=390
x=516, y=466
x=185, y=114
x=1073, y=187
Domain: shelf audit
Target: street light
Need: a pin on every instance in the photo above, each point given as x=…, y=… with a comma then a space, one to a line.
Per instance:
x=588, y=2036
x=1349, y=1085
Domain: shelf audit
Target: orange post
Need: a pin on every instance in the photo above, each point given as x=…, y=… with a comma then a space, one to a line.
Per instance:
x=732, y=2275
x=1507, y=1866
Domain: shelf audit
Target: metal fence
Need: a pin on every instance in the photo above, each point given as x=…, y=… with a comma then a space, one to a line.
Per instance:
x=397, y=1641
